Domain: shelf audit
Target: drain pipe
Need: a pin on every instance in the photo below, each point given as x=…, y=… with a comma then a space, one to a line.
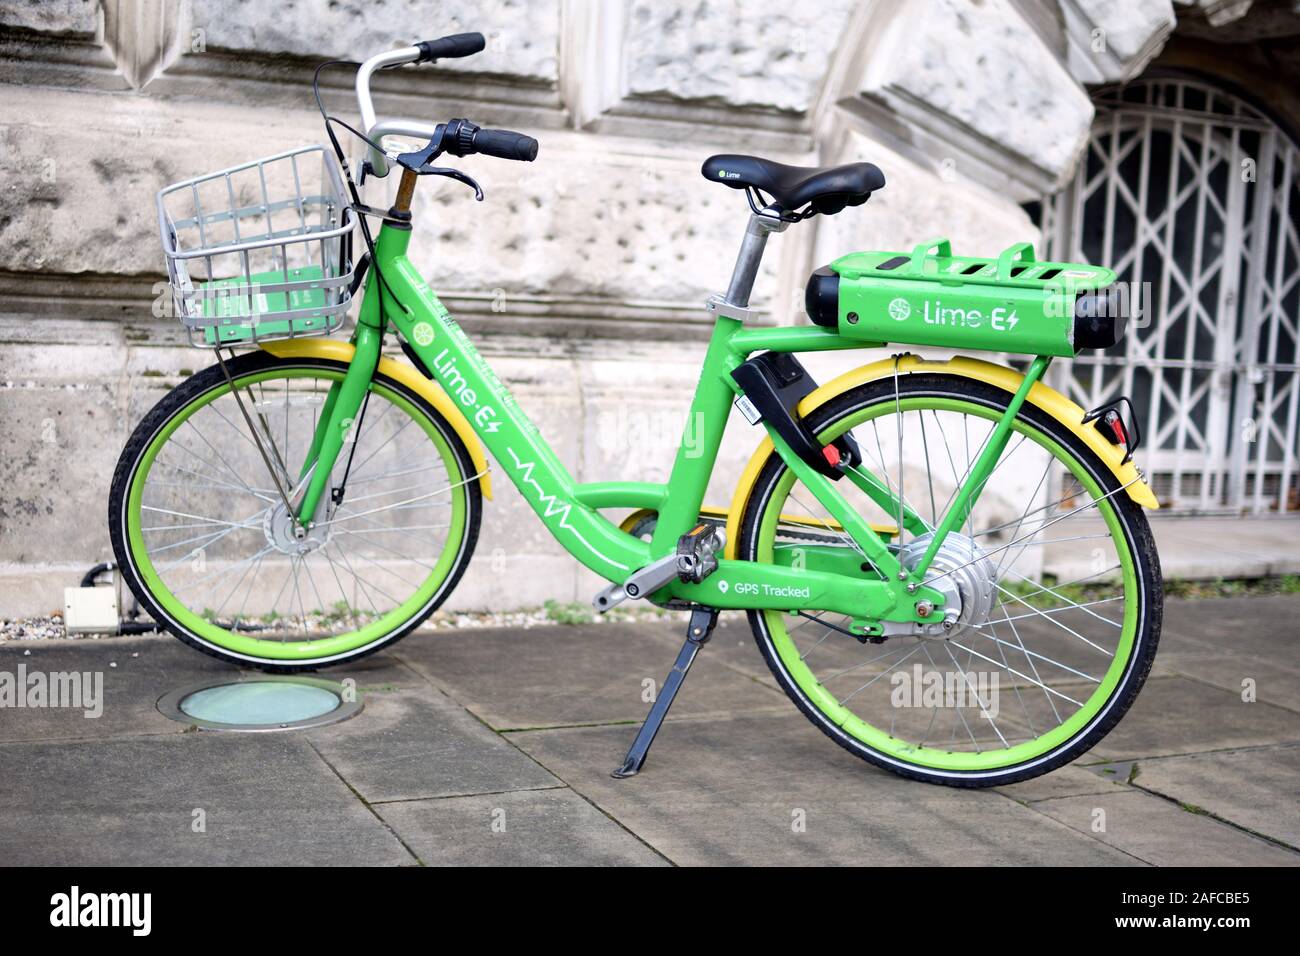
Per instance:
x=88, y=580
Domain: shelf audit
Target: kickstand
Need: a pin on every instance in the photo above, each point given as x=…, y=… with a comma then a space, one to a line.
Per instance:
x=703, y=620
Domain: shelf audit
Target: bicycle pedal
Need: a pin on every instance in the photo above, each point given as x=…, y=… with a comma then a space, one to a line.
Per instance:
x=697, y=550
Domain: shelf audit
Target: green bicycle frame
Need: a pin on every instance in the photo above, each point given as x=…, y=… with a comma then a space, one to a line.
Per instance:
x=570, y=510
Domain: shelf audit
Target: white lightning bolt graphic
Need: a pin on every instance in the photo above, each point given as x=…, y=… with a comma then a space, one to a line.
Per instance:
x=556, y=507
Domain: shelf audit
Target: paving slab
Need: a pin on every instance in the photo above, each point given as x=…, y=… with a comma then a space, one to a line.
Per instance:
x=530, y=828
x=1162, y=833
x=266, y=799
x=582, y=674
x=1269, y=681
x=1174, y=715
x=738, y=776
x=1072, y=780
x=1255, y=789
x=733, y=644
x=134, y=671
x=1207, y=641
x=377, y=672
x=766, y=789
x=1265, y=626
x=408, y=744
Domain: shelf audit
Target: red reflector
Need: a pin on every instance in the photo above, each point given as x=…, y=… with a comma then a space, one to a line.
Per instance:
x=1117, y=426
x=832, y=455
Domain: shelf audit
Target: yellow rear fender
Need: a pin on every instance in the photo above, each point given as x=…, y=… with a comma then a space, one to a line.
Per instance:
x=339, y=351
x=1041, y=396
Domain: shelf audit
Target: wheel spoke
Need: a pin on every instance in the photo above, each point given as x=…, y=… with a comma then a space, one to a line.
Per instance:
x=880, y=675
x=261, y=579
x=999, y=583
x=1052, y=691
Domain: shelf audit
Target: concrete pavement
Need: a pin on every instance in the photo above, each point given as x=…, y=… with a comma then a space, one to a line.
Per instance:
x=494, y=747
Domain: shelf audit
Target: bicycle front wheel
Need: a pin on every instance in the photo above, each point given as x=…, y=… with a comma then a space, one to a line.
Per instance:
x=1055, y=573
x=203, y=540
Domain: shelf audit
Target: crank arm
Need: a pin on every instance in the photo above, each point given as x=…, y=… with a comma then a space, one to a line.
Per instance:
x=639, y=584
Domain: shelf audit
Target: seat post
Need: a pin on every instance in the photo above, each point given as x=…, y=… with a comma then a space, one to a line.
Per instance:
x=761, y=225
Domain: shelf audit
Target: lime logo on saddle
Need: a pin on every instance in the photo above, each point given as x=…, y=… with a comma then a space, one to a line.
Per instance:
x=423, y=334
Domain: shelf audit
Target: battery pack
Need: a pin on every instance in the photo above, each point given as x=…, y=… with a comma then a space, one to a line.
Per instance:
x=1012, y=303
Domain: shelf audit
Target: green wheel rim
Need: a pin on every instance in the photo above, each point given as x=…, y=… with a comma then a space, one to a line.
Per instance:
x=296, y=651
x=934, y=757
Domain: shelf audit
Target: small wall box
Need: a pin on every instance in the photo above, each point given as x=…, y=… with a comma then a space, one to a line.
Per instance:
x=1012, y=303
x=90, y=610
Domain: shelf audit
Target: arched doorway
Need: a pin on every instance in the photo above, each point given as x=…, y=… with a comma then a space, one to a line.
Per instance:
x=1190, y=193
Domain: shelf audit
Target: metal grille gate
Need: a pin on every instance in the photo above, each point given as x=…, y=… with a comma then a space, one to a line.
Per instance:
x=1190, y=194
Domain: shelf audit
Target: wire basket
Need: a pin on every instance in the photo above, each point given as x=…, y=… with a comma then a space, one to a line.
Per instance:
x=254, y=255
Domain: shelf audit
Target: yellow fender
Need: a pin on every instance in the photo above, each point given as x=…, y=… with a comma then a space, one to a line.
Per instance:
x=339, y=351
x=1042, y=396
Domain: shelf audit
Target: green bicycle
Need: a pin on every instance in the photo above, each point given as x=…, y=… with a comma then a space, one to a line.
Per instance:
x=945, y=564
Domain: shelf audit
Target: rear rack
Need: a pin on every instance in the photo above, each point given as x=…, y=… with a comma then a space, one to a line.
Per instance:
x=1014, y=267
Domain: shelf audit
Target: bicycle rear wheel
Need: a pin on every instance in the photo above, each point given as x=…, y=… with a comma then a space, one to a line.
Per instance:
x=1055, y=571
x=201, y=533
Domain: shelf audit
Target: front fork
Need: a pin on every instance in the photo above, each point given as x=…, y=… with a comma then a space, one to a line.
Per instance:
x=338, y=419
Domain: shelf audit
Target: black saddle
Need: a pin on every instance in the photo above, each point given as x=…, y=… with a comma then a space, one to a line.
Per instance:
x=827, y=189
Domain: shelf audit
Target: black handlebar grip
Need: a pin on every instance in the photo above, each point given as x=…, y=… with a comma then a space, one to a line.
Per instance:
x=505, y=144
x=446, y=48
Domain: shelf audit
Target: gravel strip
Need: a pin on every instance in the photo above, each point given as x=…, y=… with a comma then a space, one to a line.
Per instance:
x=51, y=628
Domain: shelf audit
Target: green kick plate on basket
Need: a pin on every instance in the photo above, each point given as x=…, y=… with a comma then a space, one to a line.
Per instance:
x=231, y=305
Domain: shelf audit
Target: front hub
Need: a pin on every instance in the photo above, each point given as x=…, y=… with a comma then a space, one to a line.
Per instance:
x=288, y=537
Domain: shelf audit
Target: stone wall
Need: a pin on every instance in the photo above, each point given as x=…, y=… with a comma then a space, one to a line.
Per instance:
x=582, y=275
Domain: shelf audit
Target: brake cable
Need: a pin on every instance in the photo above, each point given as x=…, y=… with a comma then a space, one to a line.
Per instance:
x=337, y=493
x=860, y=638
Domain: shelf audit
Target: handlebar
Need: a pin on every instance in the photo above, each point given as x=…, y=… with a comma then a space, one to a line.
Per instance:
x=503, y=144
x=381, y=61
x=462, y=138
x=461, y=44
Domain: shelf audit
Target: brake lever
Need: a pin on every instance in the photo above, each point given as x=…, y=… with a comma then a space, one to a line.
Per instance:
x=418, y=163
x=455, y=174
x=413, y=161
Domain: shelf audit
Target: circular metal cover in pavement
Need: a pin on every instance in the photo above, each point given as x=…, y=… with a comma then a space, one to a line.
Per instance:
x=261, y=703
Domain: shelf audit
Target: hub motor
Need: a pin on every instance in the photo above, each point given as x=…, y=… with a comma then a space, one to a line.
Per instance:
x=279, y=530
x=968, y=583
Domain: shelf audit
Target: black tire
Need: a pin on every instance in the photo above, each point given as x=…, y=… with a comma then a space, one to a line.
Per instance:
x=199, y=384
x=1137, y=533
